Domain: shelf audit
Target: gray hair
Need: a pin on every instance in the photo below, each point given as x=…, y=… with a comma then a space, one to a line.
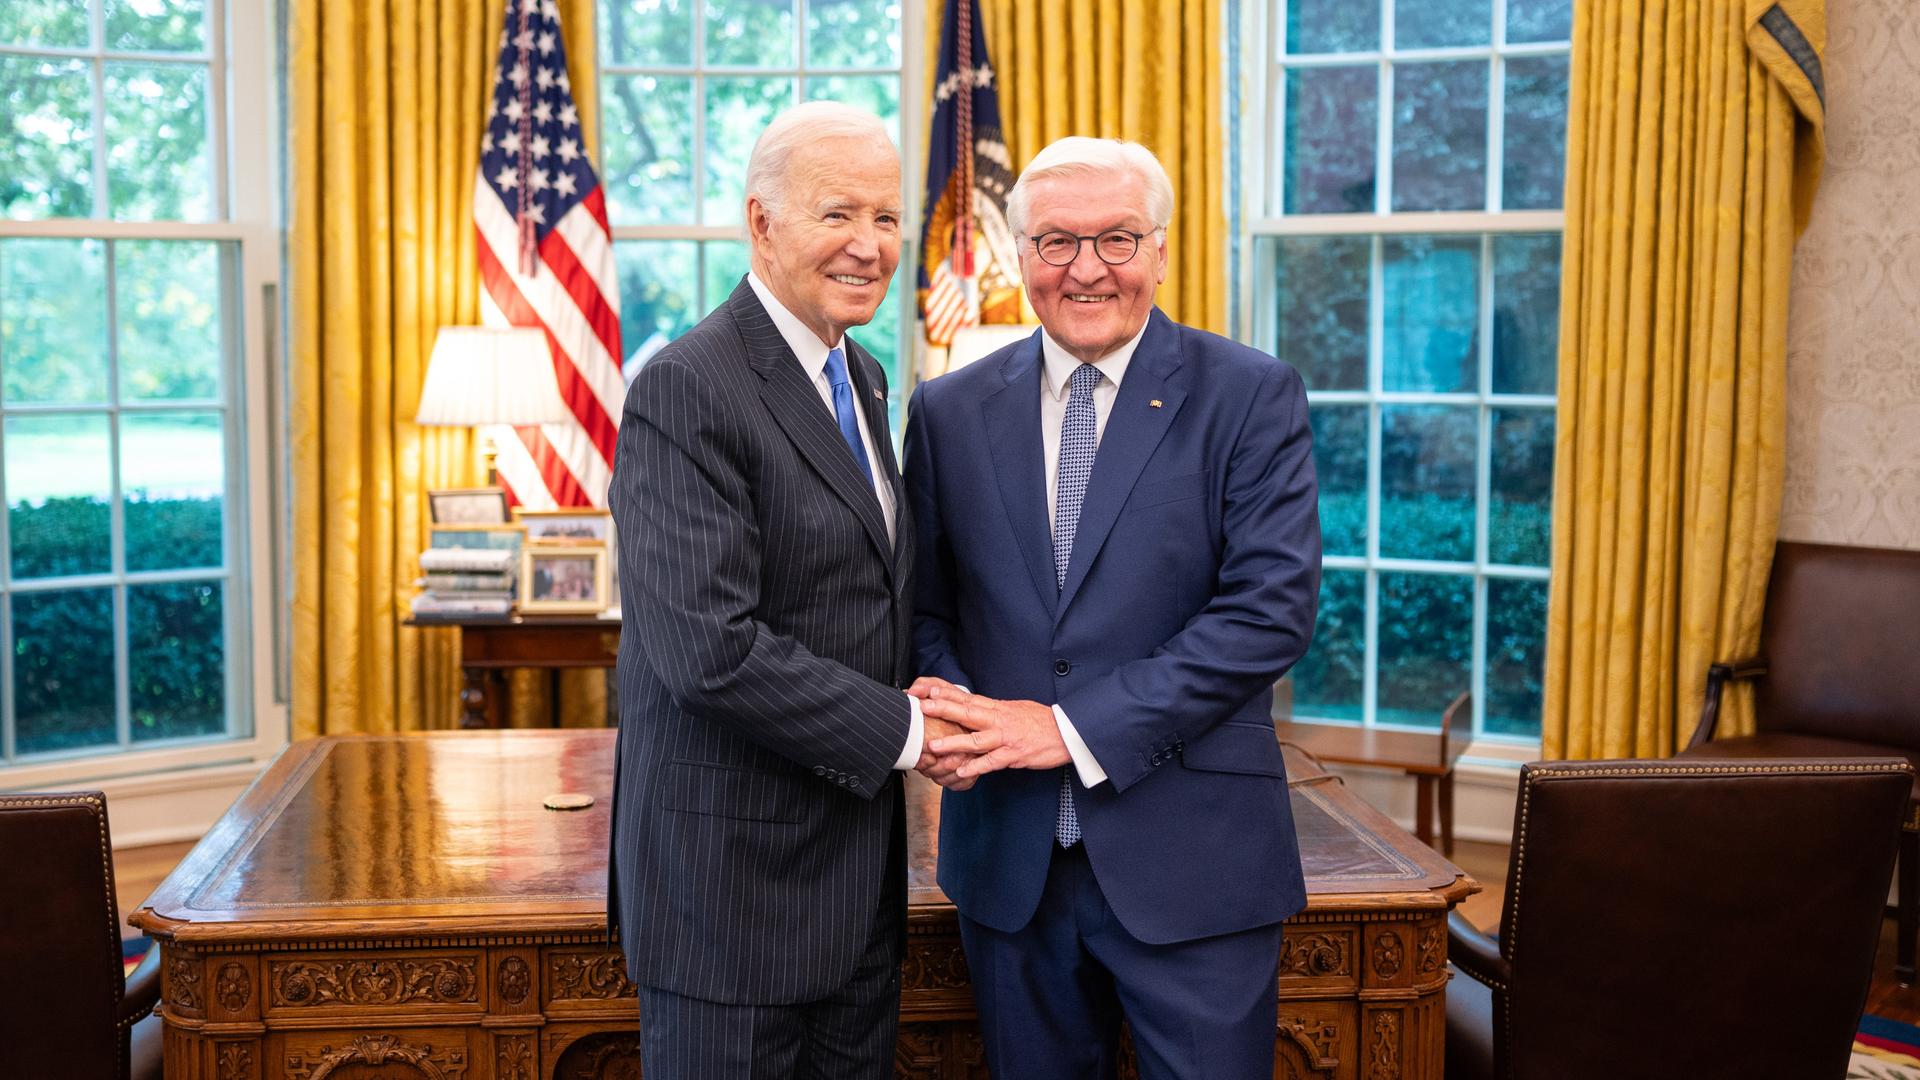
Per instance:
x=1078, y=155
x=816, y=120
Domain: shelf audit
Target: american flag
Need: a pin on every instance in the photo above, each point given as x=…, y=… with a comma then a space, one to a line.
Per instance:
x=546, y=261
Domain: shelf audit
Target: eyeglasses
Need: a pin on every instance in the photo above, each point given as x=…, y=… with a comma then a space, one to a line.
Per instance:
x=1060, y=247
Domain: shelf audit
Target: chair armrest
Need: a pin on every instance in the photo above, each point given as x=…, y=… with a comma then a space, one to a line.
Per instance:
x=143, y=989
x=1717, y=677
x=1476, y=954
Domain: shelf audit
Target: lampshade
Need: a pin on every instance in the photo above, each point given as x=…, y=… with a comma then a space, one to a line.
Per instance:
x=971, y=343
x=479, y=375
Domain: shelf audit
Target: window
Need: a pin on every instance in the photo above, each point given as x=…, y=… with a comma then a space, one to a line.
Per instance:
x=1403, y=252
x=135, y=249
x=685, y=88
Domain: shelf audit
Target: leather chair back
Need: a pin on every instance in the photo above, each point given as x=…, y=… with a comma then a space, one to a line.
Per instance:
x=1841, y=629
x=61, y=974
x=1685, y=920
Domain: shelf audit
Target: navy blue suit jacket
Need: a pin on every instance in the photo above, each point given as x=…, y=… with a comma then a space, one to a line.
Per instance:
x=1190, y=590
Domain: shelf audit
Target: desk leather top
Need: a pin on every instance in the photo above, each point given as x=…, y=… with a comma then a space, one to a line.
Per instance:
x=407, y=833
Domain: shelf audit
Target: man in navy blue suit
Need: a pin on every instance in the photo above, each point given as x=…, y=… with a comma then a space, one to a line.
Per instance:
x=1119, y=554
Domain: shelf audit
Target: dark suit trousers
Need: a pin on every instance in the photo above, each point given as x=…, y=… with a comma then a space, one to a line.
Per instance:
x=1052, y=994
x=848, y=1035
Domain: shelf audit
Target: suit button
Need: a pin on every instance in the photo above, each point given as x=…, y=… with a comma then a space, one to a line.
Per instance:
x=819, y=770
x=1155, y=759
x=1061, y=667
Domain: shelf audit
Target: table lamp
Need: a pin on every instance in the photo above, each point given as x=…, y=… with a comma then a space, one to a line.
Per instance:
x=480, y=376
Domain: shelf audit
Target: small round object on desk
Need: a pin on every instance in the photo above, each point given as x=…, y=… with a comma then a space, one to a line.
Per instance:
x=569, y=800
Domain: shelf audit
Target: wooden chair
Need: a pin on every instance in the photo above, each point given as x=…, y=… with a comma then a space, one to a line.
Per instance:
x=1427, y=756
x=1836, y=676
x=65, y=1007
x=1679, y=920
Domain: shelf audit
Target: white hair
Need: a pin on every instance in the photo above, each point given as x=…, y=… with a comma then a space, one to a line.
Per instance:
x=772, y=156
x=1078, y=155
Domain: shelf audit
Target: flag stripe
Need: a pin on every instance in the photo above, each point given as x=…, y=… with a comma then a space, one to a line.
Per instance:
x=579, y=284
x=574, y=389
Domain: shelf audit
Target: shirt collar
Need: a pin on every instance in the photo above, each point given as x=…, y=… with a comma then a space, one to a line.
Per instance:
x=1060, y=364
x=805, y=343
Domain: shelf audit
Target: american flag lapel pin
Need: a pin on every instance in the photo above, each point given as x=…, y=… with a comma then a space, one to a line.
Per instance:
x=1154, y=404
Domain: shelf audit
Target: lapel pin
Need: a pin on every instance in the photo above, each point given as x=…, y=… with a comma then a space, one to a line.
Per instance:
x=1154, y=404
x=878, y=396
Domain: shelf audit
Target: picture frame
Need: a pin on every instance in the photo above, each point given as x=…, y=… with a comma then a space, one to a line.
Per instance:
x=572, y=525
x=485, y=537
x=468, y=506
x=563, y=579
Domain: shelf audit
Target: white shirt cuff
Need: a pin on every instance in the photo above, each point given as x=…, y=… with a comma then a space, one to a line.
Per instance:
x=1090, y=771
x=916, y=734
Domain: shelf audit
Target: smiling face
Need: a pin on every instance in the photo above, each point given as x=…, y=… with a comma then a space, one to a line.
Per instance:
x=1089, y=307
x=829, y=252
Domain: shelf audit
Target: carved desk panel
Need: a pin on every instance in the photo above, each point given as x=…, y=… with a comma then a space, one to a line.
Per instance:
x=403, y=907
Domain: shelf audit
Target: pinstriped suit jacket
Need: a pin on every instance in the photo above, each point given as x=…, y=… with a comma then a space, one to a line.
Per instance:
x=767, y=630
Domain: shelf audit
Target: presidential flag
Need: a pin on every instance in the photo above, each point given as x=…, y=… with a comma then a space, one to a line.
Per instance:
x=969, y=267
x=546, y=261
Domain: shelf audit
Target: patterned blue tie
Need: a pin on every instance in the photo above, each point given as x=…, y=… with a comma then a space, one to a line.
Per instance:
x=843, y=410
x=1079, y=439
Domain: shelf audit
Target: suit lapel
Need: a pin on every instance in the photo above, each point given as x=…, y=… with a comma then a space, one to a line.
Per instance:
x=796, y=406
x=1012, y=417
x=1134, y=429
x=866, y=390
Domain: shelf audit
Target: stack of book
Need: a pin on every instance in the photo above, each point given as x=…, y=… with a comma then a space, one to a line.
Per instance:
x=465, y=582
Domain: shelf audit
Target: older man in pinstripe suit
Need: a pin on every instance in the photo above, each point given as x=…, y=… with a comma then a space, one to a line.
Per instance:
x=759, y=871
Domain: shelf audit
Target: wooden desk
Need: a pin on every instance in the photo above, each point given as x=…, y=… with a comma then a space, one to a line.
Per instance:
x=548, y=642
x=1427, y=756
x=402, y=907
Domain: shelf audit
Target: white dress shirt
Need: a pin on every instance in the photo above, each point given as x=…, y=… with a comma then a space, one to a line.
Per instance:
x=812, y=354
x=1056, y=369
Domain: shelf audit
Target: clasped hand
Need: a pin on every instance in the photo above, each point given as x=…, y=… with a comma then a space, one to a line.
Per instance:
x=969, y=735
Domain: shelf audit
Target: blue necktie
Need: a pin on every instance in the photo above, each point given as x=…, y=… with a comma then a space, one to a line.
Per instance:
x=1079, y=439
x=843, y=410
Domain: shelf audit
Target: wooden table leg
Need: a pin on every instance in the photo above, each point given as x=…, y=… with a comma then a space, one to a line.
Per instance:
x=1446, y=814
x=1423, y=819
x=473, y=698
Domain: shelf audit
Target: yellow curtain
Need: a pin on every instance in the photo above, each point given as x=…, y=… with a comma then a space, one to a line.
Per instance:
x=388, y=97
x=1145, y=70
x=1693, y=151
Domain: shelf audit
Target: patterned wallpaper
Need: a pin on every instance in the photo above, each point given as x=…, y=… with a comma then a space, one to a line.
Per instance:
x=1853, y=339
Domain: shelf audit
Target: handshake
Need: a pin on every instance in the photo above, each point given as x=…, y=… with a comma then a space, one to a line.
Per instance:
x=968, y=735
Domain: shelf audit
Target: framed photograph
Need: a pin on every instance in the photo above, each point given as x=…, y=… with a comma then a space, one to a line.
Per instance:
x=574, y=525
x=484, y=537
x=468, y=506
x=566, y=578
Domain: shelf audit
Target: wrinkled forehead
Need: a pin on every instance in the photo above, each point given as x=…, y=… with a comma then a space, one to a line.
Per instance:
x=859, y=172
x=1087, y=203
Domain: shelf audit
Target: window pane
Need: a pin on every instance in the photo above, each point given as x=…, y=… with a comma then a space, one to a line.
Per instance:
x=157, y=25
x=173, y=477
x=53, y=321
x=726, y=265
x=1332, y=26
x=878, y=94
x=649, y=149
x=646, y=32
x=1535, y=140
x=63, y=694
x=1526, y=314
x=1426, y=646
x=1329, y=683
x=1430, y=332
x=1330, y=120
x=738, y=110
x=1426, y=482
x=1516, y=655
x=1539, y=20
x=157, y=157
x=59, y=494
x=853, y=33
x=750, y=33
x=176, y=660
x=1340, y=464
x=46, y=138
x=658, y=298
x=57, y=23
x=1320, y=288
x=167, y=298
x=1427, y=24
x=1520, y=502
x=1440, y=136
x=881, y=337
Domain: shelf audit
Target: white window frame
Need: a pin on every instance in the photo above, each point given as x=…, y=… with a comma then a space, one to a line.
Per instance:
x=1262, y=195
x=244, y=92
